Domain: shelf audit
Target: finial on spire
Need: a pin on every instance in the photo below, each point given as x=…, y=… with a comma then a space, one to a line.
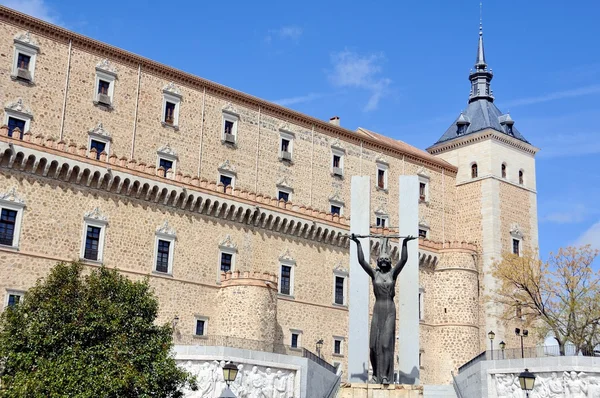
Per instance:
x=480, y=18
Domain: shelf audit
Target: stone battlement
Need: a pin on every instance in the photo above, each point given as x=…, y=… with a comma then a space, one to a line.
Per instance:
x=249, y=278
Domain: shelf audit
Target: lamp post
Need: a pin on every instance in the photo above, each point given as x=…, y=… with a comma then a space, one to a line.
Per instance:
x=527, y=381
x=502, y=347
x=230, y=372
x=319, y=346
x=175, y=321
x=522, y=333
x=491, y=336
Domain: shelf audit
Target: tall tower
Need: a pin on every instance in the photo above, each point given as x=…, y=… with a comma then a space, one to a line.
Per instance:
x=495, y=186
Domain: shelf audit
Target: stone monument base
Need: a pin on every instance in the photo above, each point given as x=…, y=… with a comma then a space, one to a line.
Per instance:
x=363, y=390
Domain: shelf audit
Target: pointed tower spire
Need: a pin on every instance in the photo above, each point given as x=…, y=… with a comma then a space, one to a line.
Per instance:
x=481, y=77
x=480, y=60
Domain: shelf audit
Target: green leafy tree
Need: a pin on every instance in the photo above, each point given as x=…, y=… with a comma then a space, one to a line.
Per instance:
x=92, y=335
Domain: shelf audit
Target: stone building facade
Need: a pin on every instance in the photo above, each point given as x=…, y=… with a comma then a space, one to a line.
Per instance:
x=116, y=160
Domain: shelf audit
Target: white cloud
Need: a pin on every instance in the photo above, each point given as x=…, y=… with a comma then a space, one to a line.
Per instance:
x=577, y=92
x=574, y=214
x=290, y=32
x=571, y=144
x=299, y=99
x=35, y=8
x=590, y=237
x=353, y=70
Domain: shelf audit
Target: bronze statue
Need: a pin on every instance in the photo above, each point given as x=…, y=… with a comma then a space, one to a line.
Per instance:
x=383, y=324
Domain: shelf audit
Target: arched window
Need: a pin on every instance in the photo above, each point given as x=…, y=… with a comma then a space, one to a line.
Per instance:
x=474, y=170
x=521, y=177
x=503, y=170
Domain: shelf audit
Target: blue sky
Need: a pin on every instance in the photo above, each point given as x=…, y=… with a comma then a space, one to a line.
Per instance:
x=399, y=68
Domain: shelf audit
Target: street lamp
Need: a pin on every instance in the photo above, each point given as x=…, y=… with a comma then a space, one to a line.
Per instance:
x=502, y=347
x=175, y=321
x=230, y=372
x=522, y=333
x=526, y=380
x=491, y=336
x=319, y=346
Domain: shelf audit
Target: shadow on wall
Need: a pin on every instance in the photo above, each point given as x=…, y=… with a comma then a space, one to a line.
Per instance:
x=408, y=378
x=364, y=376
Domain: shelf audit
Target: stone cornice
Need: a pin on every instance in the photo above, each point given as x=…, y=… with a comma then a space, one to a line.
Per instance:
x=115, y=54
x=481, y=136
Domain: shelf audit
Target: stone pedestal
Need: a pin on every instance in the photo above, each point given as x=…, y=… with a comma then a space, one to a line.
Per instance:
x=363, y=390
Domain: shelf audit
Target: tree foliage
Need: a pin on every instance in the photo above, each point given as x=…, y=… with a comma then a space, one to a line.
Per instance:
x=91, y=335
x=561, y=296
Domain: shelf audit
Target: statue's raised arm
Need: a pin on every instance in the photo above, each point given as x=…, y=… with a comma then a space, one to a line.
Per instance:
x=403, y=257
x=361, y=257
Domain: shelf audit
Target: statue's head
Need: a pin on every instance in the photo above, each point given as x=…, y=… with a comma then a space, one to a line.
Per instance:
x=384, y=260
x=384, y=263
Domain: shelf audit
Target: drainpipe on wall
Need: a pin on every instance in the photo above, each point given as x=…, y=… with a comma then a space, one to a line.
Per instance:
x=64, y=109
x=201, y=132
x=135, y=114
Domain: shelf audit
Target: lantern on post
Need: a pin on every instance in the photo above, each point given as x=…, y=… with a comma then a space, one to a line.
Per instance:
x=526, y=381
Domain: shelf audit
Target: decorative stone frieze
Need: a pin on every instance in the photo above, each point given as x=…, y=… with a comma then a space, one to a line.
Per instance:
x=18, y=107
x=106, y=66
x=26, y=39
x=12, y=197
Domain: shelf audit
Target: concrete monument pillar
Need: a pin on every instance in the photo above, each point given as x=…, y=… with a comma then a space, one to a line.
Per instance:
x=358, y=297
x=408, y=284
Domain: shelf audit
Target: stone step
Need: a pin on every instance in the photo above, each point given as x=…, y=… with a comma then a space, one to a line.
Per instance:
x=439, y=391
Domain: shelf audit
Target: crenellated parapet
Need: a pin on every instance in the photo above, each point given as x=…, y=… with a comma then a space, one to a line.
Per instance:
x=249, y=278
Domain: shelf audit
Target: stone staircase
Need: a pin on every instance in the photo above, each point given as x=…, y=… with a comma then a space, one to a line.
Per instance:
x=439, y=391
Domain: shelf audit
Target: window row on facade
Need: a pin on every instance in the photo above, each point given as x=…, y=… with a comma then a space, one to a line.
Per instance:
x=503, y=172
x=94, y=236
x=106, y=76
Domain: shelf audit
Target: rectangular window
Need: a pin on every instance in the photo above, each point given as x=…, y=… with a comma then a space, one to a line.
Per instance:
x=226, y=180
x=421, y=317
x=226, y=262
x=422, y=190
x=92, y=243
x=294, y=342
x=14, y=123
x=99, y=146
x=200, y=327
x=339, y=290
x=165, y=164
x=7, y=226
x=381, y=221
x=515, y=246
x=381, y=178
x=169, y=113
x=13, y=299
x=228, y=127
x=422, y=233
x=162, y=256
x=285, y=145
x=283, y=195
x=23, y=61
x=103, y=87
x=337, y=347
x=286, y=280
x=336, y=209
x=337, y=161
